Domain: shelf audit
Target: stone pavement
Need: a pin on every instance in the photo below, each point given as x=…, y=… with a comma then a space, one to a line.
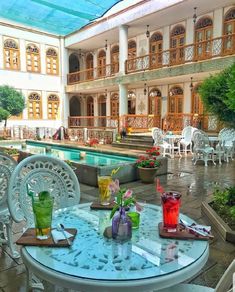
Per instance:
x=194, y=182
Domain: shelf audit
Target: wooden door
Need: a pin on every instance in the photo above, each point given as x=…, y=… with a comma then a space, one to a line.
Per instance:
x=156, y=50
x=203, y=37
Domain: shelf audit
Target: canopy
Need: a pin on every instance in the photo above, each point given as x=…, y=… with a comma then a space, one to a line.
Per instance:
x=59, y=17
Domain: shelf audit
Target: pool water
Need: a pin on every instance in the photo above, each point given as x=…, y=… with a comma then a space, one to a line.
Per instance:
x=92, y=158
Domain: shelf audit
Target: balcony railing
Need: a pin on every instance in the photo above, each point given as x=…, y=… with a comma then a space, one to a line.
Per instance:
x=143, y=123
x=103, y=122
x=203, y=50
x=93, y=73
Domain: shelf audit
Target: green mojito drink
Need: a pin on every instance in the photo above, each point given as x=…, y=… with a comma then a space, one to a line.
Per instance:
x=42, y=209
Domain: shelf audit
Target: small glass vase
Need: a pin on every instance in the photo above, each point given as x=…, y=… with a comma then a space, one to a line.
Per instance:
x=121, y=226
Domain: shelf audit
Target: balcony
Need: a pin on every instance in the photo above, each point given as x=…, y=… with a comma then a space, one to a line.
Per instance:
x=204, y=50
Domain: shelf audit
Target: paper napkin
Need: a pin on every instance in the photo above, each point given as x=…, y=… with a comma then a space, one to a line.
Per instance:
x=58, y=235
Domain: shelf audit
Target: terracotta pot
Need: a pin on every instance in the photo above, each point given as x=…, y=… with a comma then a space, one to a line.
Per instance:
x=147, y=175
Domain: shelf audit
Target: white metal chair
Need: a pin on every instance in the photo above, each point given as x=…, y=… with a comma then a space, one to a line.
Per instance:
x=158, y=139
x=224, y=284
x=202, y=149
x=7, y=165
x=41, y=173
x=227, y=137
x=186, y=141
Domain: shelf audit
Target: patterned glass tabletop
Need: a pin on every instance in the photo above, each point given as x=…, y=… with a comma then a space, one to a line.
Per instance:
x=92, y=256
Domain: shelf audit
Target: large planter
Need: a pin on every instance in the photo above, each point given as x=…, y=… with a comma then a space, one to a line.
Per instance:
x=224, y=230
x=147, y=175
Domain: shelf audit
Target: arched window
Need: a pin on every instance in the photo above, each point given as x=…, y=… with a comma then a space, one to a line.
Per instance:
x=114, y=100
x=33, y=58
x=131, y=102
x=89, y=67
x=131, y=49
x=197, y=106
x=102, y=105
x=176, y=96
x=177, y=41
x=75, y=107
x=52, y=61
x=155, y=102
x=115, y=59
x=11, y=55
x=203, y=36
x=34, y=106
x=74, y=65
x=53, y=102
x=229, y=32
x=90, y=106
x=155, y=50
x=102, y=63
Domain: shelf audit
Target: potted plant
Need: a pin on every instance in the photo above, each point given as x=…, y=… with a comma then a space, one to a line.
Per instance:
x=221, y=212
x=14, y=153
x=148, y=165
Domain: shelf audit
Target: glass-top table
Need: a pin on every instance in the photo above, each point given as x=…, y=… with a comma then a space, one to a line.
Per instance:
x=146, y=262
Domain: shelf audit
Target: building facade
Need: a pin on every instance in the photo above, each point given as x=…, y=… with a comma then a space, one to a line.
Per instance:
x=138, y=68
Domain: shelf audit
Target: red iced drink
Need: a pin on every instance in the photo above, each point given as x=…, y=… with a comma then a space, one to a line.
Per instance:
x=170, y=210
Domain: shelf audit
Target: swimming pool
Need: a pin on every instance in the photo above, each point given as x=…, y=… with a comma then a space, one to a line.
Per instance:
x=87, y=170
x=69, y=153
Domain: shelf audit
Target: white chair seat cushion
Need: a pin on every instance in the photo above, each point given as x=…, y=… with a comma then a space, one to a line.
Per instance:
x=187, y=288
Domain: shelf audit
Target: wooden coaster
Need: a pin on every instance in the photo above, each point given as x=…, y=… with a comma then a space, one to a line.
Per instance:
x=29, y=238
x=98, y=206
x=180, y=233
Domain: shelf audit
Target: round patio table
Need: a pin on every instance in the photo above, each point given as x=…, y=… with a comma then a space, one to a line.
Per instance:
x=95, y=263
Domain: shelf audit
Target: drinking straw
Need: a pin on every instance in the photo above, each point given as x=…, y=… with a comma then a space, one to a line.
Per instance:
x=29, y=193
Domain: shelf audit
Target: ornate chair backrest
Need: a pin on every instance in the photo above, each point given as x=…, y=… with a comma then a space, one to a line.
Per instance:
x=7, y=165
x=187, y=133
x=41, y=173
x=200, y=139
x=157, y=136
x=227, y=136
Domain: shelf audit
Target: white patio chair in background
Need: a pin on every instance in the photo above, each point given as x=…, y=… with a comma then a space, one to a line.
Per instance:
x=227, y=137
x=7, y=165
x=224, y=284
x=186, y=141
x=158, y=139
x=202, y=149
x=41, y=173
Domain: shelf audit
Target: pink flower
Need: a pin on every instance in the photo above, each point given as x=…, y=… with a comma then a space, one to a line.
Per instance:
x=114, y=186
x=128, y=194
x=139, y=208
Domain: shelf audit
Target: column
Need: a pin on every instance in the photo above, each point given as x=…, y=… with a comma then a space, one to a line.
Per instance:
x=64, y=69
x=123, y=103
x=218, y=23
x=166, y=45
x=22, y=55
x=164, y=100
x=187, y=98
x=1, y=55
x=123, y=47
x=95, y=64
x=108, y=109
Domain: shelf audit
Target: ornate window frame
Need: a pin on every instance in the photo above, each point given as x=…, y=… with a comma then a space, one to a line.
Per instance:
x=53, y=102
x=33, y=59
x=11, y=54
x=34, y=106
x=52, y=61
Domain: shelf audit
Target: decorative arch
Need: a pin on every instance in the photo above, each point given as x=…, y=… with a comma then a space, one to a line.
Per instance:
x=114, y=105
x=229, y=30
x=203, y=37
x=33, y=61
x=11, y=55
x=34, y=106
x=177, y=42
x=155, y=50
x=53, y=102
x=75, y=106
x=74, y=64
x=155, y=102
x=102, y=63
x=89, y=66
x=52, y=61
x=176, y=100
x=115, y=59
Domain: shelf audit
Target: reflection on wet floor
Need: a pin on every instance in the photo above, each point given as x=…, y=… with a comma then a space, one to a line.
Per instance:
x=177, y=175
